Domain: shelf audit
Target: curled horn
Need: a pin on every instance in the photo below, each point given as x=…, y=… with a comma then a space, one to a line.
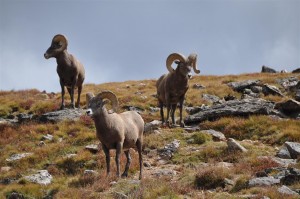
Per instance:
x=62, y=40
x=171, y=58
x=111, y=96
x=192, y=58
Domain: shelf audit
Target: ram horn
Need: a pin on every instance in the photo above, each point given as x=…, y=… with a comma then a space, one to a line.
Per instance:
x=192, y=58
x=62, y=40
x=112, y=97
x=171, y=58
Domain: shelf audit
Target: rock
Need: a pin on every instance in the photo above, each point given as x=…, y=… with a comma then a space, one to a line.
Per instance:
x=42, y=177
x=293, y=148
x=70, y=155
x=193, y=110
x=90, y=172
x=133, y=108
x=240, y=86
x=18, y=156
x=167, y=152
x=284, y=153
x=229, y=97
x=266, y=69
x=296, y=70
x=271, y=90
x=216, y=135
x=289, y=107
x=243, y=107
x=291, y=176
x=154, y=109
x=192, y=129
x=286, y=190
x=164, y=172
x=263, y=181
x=226, y=165
x=198, y=86
x=93, y=148
x=5, y=169
x=288, y=83
x=256, y=89
x=235, y=146
x=210, y=98
x=47, y=137
x=284, y=71
x=284, y=162
x=58, y=116
x=23, y=117
x=151, y=126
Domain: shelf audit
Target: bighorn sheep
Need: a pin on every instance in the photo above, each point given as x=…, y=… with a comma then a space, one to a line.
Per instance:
x=171, y=87
x=70, y=71
x=116, y=131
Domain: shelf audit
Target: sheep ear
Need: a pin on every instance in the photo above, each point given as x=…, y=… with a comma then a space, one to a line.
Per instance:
x=89, y=96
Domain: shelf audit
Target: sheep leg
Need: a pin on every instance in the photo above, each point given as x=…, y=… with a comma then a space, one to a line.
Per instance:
x=139, y=149
x=180, y=111
x=161, y=105
x=173, y=113
x=125, y=174
x=62, y=94
x=78, y=98
x=72, y=96
x=118, y=153
x=168, y=115
x=107, y=158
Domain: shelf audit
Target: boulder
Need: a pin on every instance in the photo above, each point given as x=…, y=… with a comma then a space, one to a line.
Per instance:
x=243, y=107
x=293, y=148
x=235, y=146
x=42, y=177
x=284, y=153
x=210, y=98
x=288, y=83
x=167, y=152
x=296, y=70
x=286, y=190
x=240, y=86
x=58, y=116
x=290, y=176
x=151, y=126
x=18, y=156
x=271, y=90
x=216, y=135
x=266, y=69
x=289, y=107
x=263, y=181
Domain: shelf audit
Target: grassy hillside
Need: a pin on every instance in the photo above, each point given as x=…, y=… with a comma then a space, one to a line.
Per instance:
x=196, y=164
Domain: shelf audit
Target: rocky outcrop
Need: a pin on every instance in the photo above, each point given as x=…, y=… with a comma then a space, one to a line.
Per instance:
x=266, y=69
x=58, y=116
x=240, y=86
x=271, y=90
x=167, y=152
x=243, y=107
x=289, y=107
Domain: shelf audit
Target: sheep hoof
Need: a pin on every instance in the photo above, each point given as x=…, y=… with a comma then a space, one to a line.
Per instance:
x=62, y=107
x=124, y=175
x=182, y=125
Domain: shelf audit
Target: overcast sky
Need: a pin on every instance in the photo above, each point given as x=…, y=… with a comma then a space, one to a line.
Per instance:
x=119, y=40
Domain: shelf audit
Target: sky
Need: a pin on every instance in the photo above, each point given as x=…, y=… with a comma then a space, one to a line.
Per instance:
x=120, y=40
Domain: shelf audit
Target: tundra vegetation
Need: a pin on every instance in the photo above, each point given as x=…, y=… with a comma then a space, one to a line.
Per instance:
x=190, y=176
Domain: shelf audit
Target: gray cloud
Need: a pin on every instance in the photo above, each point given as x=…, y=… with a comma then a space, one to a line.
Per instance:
x=130, y=40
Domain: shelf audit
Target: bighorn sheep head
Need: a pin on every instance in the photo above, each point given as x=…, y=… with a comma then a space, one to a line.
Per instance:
x=182, y=61
x=59, y=43
x=98, y=102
